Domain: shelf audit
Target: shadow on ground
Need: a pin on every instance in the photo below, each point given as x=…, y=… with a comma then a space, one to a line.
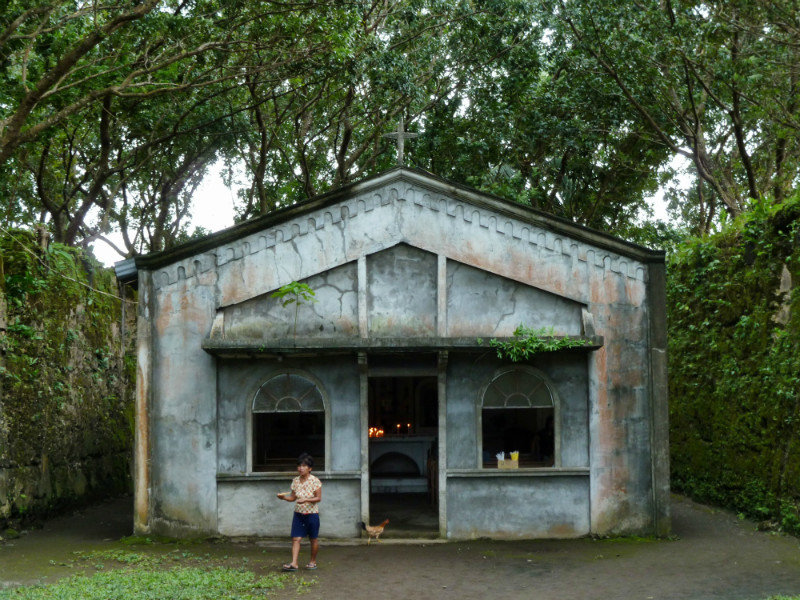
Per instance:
x=714, y=555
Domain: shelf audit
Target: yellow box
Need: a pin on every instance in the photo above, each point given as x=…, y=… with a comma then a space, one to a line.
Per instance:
x=508, y=464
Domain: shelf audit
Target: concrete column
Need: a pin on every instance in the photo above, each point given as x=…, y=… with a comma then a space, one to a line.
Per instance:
x=363, y=434
x=144, y=373
x=441, y=296
x=442, y=458
x=363, y=325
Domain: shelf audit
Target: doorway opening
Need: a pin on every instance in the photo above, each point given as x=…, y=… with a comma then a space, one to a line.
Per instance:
x=403, y=462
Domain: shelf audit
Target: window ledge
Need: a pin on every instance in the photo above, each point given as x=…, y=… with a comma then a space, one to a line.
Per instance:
x=284, y=475
x=530, y=472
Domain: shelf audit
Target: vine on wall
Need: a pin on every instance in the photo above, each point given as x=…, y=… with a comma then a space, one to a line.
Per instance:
x=528, y=342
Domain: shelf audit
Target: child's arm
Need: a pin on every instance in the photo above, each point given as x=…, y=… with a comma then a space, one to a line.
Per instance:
x=316, y=497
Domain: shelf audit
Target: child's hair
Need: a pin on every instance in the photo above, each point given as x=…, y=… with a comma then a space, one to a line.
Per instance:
x=305, y=459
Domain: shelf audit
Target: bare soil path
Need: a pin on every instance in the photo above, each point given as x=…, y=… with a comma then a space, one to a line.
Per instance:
x=714, y=555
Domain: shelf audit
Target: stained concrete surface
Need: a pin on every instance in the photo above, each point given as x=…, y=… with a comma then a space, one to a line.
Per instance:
x=713, y=555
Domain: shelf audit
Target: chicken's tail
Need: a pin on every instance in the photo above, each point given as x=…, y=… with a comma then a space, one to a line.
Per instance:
x=363, y=526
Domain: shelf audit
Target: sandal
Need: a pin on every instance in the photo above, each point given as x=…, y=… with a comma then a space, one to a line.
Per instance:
x=311, y=566
x=288, y=567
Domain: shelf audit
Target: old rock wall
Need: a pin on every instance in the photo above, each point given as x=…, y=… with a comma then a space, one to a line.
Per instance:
x=66, y=381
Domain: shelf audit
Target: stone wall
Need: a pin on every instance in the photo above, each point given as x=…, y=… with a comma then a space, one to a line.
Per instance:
x=65, y=381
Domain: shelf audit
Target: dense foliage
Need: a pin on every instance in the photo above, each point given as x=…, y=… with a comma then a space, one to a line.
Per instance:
x=65, y=379
x=734, y=352
x=110, y=115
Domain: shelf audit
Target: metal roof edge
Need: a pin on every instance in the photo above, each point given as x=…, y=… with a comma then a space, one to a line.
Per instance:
x=126, y=271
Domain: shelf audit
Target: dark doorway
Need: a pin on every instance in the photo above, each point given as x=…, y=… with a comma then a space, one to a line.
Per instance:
x=403, y=433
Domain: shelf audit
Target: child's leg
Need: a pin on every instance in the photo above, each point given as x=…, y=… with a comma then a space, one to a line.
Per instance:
x=313, y=535
x=295, y=550
x=314, y=549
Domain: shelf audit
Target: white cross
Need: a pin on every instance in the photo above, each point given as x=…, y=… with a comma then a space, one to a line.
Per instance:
x=401, y=135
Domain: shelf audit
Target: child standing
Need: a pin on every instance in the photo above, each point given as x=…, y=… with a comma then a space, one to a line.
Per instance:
x=307, y=492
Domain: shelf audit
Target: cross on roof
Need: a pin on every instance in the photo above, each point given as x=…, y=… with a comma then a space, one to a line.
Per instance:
x=401, y=135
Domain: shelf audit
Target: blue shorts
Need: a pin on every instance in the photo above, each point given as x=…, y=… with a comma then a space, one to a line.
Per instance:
x=305, y=525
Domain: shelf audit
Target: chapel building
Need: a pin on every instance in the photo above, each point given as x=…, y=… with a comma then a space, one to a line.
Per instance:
x=388, y=376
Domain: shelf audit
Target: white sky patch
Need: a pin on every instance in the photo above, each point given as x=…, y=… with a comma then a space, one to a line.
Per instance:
x=682, y=181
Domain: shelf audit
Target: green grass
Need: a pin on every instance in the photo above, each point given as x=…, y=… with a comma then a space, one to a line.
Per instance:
x=179, y=583
x=177, y=575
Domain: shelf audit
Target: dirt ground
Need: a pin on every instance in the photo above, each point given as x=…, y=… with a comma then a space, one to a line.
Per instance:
x=713, y=555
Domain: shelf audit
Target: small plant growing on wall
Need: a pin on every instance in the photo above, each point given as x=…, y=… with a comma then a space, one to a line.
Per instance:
x=294, y=293
x=528, y=342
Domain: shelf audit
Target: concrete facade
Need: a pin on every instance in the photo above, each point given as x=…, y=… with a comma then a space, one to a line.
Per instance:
x=413, y=275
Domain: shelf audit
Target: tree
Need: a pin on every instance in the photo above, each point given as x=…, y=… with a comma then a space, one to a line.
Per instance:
x=715, y=82
x=570, y=108
x=323, y=126
x=531, y=120
x=69, y=72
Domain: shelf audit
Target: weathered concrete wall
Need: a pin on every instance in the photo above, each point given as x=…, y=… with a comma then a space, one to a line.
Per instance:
x=334, y=312
x=183, y=409
x=518, y=506
x=249, y=508
x=480, y=303
x=546, y=274
x=405, y=212
x=401, y=292
x=468, y=375
x=620, y=416
x=479, y=502
x=337, y=379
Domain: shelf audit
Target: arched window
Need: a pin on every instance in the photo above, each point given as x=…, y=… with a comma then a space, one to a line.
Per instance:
x=288, y=419
x=519, y=412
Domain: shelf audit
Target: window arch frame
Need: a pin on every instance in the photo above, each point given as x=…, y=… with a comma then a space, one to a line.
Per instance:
x=554, y=396
x=253, y=396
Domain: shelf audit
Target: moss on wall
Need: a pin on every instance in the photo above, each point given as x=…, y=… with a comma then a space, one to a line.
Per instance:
x=734, y=366
x=66, y=378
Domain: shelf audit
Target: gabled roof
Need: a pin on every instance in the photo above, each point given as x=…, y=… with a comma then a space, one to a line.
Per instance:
x=127, y=270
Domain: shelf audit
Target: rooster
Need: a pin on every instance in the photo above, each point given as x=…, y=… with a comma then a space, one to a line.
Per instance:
x=374, y=531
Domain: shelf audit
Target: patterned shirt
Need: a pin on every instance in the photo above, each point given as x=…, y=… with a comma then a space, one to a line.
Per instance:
x=306, y=489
